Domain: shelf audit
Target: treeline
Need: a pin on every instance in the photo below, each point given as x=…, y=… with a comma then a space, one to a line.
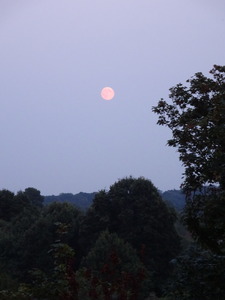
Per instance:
x=81, y=200
x=122, y=245
x=175, y=198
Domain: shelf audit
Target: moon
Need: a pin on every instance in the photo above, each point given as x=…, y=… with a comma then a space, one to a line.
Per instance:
x=107, y=93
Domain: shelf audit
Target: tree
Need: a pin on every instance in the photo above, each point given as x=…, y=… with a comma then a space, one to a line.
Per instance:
x=11, y=205
x=36, y=241
x=6, y=205
x=116, y=268
x=34, y=196
x=17, y=215
x=199, y=274
x=196, y=118
x=8, y=256
x=134, y=210
x=59, y=283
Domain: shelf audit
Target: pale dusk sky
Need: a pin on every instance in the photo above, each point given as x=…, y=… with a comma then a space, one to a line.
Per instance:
x=57, y=134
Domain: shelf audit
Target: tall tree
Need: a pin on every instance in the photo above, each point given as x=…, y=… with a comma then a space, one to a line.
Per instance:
x=196, y=116
x=134, y=210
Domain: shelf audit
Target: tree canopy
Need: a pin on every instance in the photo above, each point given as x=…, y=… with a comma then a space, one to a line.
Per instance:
x=116, y=263
x=196, y=116
x=198, y=275
x=134, y=210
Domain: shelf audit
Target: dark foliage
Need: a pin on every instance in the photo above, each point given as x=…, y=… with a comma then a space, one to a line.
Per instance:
x=198, y=275
x=117, y=266
x=134, y=210
x=196, y=118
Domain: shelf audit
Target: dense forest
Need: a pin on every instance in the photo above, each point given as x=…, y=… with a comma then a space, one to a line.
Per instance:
x=125, y=240
x=131, y=242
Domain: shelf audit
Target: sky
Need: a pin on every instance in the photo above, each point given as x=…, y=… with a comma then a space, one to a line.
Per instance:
x=57, y=134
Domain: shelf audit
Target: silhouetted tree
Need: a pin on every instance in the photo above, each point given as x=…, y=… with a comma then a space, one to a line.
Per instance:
x=196, y=117
x=134, y=210
x=34, y=196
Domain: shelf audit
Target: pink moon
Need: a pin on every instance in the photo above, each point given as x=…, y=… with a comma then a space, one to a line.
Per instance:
x=107, y=93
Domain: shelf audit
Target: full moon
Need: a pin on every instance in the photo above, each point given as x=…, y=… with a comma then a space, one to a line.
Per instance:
x=107, y=93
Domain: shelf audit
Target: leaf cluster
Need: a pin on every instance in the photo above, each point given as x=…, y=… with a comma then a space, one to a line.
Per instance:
x=196, y=117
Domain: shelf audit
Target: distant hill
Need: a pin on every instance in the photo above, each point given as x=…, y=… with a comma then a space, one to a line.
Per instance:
x=174, y=198
x=81, y=200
